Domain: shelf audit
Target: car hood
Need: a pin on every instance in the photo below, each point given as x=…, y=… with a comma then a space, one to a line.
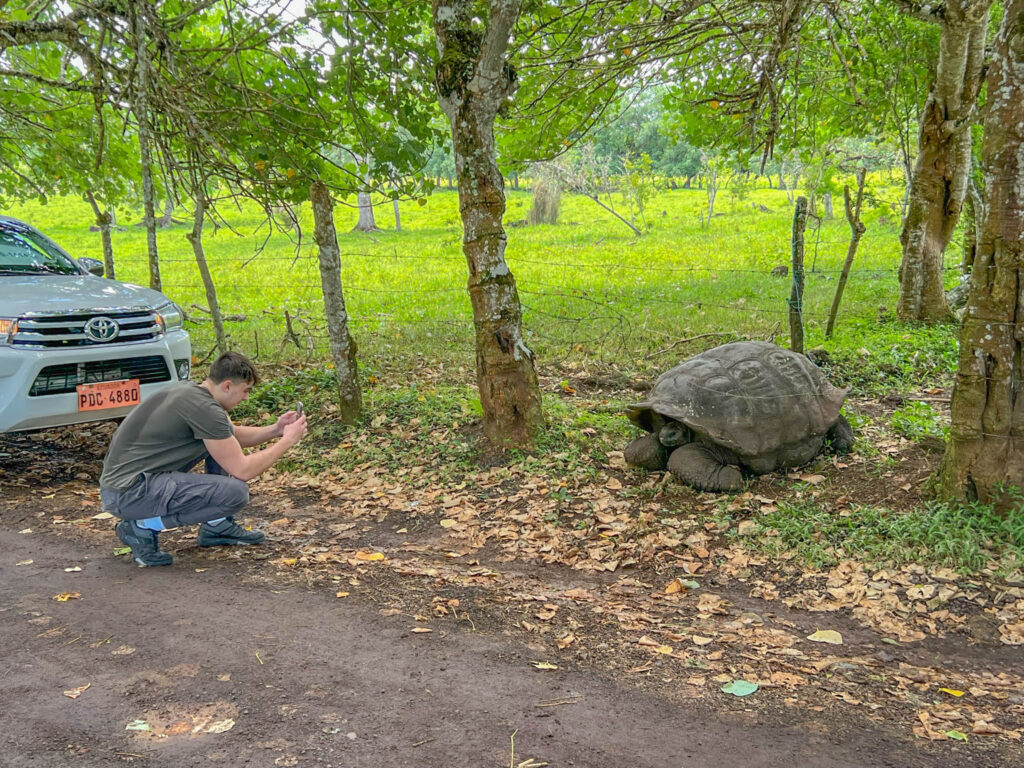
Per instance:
x=21, y=294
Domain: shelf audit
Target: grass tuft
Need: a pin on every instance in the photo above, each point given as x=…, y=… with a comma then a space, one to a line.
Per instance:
x=965, y=538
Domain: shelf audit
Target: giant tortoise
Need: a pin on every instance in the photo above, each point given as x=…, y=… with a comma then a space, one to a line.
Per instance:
x=748, y=405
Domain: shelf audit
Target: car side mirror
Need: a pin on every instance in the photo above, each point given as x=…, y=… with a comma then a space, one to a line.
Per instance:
x=92, y=266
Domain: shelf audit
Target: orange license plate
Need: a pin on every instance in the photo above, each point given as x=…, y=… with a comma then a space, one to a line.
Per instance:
x=108, y=394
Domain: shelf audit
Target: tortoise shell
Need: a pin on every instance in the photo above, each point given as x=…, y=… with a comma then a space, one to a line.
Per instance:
x=749, y=396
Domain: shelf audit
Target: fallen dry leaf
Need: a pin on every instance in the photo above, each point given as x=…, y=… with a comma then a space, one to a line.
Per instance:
x=220, y=726
x=746, y=527
x=74, y=693
x=63, y=597
x=829, y=636
x=370, y=556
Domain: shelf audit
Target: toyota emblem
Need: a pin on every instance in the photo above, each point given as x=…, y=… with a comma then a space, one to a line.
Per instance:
x=102, y=329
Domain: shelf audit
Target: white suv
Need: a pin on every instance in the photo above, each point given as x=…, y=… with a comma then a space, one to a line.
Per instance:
x=74, y=346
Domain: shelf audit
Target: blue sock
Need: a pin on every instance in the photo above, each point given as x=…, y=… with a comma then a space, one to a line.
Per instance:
x=216, y=522
x=151, y=524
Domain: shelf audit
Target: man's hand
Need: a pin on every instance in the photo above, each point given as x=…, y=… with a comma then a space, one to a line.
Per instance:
x=284, y=420
x=294, y=430
x=228, y=452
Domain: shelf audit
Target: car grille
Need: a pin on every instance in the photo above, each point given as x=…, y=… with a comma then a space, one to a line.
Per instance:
x=59, y=379
x=68, y=330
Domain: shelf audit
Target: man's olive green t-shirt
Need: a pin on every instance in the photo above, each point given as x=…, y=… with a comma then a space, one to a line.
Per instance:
x=164, y=433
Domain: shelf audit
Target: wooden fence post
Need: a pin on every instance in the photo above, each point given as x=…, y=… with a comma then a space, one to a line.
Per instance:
x=796, y=297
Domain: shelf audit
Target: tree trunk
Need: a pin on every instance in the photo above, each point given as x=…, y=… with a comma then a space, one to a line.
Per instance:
x=970, y=220
x=343, y=346
x=826, y=201
x=857, y=230
x=168, y=218
x=195, y=237
x=975, y=207
x=712, y=193
x=105, y=221
x=141, y=109
x=398, y=216
x=473, y=80
x=942, y=170
x=985, y=456
x=366, y=223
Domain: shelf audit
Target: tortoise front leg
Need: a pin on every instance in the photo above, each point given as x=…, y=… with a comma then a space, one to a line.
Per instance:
x=840, y=437
x=705, y=467
x=646, y=452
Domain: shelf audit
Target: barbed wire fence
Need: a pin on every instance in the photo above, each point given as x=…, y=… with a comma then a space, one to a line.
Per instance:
x=647, y=317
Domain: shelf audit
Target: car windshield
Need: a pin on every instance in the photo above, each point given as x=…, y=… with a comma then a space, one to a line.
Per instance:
x=25, y=252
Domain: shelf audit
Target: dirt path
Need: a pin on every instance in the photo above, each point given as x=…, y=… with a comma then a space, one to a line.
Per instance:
x=311, y=680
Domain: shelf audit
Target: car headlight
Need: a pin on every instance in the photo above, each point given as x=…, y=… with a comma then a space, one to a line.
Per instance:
x=170, y=316
x=8, y=327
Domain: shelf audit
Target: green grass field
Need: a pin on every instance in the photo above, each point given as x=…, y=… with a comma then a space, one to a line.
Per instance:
x=592, y=292
x=596, y=300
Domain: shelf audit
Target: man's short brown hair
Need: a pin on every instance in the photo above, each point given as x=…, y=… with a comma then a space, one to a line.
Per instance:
x=234, y=366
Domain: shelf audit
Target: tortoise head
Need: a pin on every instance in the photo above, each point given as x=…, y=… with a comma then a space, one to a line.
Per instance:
x=674, y=434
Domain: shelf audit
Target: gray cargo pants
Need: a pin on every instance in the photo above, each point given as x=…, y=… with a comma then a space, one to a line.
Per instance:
x=179, y=498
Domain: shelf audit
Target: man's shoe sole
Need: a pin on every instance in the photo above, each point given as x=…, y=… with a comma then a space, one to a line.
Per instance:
x=142, y=564
x=218, y=541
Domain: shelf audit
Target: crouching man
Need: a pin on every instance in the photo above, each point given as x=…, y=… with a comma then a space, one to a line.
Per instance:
x=146, y=479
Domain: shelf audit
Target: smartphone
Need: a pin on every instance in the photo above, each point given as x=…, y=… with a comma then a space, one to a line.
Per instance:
x=298, y=408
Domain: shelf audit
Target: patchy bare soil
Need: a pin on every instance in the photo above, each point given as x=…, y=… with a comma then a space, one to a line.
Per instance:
x=392, y=620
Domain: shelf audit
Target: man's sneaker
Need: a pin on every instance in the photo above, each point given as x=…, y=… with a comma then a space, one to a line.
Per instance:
x=227, y=531
x=144, y=545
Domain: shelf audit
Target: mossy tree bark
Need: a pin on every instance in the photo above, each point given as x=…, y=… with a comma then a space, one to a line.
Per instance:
x=195, y=237
x=985, y=455
x=343, y=346
x=942, y=171
x=141, y=110
x=474, y=80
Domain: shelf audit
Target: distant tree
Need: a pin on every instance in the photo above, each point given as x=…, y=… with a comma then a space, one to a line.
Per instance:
x=441, y=164
x=638, y=186
x=584, y=173
x=679, y=160
x=547, y=195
